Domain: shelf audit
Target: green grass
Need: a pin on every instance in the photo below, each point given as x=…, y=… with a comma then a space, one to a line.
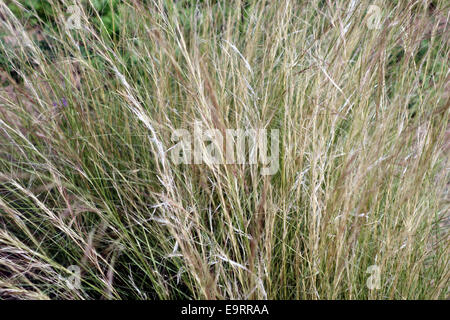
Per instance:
x=86, y=179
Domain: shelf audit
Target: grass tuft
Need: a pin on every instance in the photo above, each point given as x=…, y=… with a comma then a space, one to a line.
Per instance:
x=86, y=123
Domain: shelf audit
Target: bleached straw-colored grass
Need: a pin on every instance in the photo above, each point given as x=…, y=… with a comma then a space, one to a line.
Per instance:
x=363, y=166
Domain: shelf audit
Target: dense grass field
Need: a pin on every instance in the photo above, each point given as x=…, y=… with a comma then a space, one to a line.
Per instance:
x=93, y=205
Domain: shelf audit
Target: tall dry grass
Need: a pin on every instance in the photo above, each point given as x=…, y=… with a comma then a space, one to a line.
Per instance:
x=86, y=177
